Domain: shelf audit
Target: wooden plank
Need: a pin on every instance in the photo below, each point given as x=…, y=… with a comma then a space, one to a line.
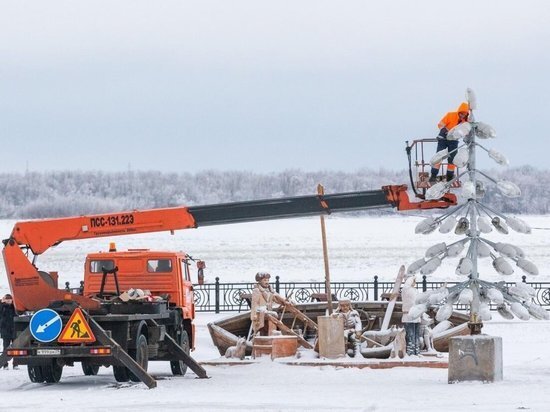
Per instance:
x=391, y=303
x=120, y=354
x=180, y=354
x=286, y=329
x=297, y=312
x=372, y=341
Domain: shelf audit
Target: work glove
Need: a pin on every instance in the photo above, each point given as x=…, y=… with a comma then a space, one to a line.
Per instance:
x=443, y=133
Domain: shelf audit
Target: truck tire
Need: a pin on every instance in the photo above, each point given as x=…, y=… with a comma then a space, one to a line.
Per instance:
x=179, y=367
x=35, y=373
x=141, y=355
x=89, y=370
x=52, y=371
x=120, y=373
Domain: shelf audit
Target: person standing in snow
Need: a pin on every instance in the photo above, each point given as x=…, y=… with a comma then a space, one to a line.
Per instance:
x=7, y=326
x=412, y=326
x=450, y=120
x=352, y=325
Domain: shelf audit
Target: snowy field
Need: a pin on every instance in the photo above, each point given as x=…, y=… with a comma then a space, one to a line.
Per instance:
x=359, y=248
x=270, y=387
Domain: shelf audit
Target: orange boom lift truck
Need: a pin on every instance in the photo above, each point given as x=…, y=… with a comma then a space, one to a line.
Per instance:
x=95, y=326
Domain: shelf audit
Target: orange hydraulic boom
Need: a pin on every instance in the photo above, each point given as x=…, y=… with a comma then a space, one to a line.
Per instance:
x=33, y=289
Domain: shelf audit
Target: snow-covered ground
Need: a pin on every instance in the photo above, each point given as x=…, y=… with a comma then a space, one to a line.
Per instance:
x=359, y=248
x=269, y=386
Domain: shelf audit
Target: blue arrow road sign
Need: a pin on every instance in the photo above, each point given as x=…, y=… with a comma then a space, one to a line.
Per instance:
x=46, y=325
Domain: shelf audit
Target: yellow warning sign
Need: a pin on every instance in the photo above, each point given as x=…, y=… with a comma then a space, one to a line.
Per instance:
x=76, y=330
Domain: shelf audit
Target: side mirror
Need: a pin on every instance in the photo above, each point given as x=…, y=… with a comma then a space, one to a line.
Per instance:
x=201, y=265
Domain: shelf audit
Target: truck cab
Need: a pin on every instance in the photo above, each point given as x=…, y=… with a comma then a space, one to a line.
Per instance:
x=164, y=274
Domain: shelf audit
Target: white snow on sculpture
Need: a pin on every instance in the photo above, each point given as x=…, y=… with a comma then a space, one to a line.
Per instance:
x=462, y=226
x=495, y=295
x=483, y=250
x=502, y=266
x=518, y=293
x=447, y=225
x=499, y=225
x=466, y=296
x=430, y=266
x=537, y=311
x=484, y=312
x=484, y=131
x=505, y=312
x=422, y=298
x=460, y=131
x=426, y=226
x=468, y=190
x=439, y=157
x=520, y=252
x=484, y=225
x=436, y=191
x=461, y=158
x=415, y=266
x=528, y=290
x=498, y=157
x=527, y=266
x=518, y=225
x=480, y=189
x=506, y=249
x=520, y=311
x=438, y=296
x=417, y=310
x=471, y=98
x=441, y=327
x=436, y=249
x=444, y=312
x=456, y=249
x=465, y=266
x=508, y=189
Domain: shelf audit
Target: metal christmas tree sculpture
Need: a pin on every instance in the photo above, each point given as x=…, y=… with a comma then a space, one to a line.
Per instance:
x=473, y=219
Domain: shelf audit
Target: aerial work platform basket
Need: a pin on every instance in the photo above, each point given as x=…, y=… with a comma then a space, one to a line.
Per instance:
x=419, y=153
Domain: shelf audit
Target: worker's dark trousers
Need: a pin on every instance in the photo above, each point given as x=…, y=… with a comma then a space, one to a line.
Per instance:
x=6, y=342
x=445, y=144
x=412, y=331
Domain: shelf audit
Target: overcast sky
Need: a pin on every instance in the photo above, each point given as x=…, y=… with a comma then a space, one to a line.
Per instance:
x=263, y=86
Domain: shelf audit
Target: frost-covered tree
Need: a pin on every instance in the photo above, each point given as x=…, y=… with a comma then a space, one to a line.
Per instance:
x=41, y=194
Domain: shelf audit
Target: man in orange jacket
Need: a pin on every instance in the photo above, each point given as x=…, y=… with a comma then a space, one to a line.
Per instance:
x=449, y=121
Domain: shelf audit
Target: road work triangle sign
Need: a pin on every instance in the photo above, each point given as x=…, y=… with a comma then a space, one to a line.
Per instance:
x=77, y=330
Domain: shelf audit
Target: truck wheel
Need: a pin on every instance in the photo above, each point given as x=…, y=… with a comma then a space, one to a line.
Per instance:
x=52, y=372
x=120, y=373
x=35, y=373
x=89, y=370
x=180, y=367
x=140, y=355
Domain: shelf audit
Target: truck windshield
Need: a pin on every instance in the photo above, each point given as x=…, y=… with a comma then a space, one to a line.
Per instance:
x=97, y=266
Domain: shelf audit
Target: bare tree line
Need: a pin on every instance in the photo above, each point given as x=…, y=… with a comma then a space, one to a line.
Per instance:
x=67, y=193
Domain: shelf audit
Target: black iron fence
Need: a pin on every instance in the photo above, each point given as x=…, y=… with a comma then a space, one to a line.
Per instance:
x=229, y=297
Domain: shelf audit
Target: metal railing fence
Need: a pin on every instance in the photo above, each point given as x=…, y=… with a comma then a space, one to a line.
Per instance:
x=229, y=297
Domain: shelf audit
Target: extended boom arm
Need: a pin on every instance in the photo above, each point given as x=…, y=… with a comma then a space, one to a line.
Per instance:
x=32, y=289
